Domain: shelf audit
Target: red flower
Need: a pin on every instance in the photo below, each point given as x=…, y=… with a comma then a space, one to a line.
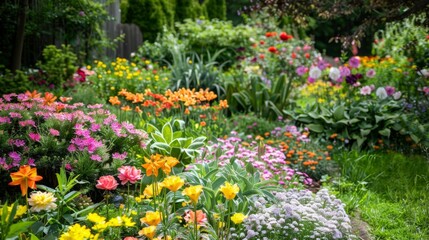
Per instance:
x=284, y=36
x=427, y=37
x=272, y=49
x=262, y=42
x=307, y=55
x=261, y=56
x=293, y=55
x=270, y=34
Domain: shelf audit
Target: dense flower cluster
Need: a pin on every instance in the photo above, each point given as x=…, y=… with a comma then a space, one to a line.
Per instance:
x=297, y=214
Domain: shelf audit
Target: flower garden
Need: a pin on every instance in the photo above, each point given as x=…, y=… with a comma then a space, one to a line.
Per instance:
x=257, y=136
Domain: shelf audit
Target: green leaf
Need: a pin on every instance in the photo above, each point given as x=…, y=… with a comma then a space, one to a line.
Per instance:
x=151, y=128
x=17, y=228
x=385, y=132
x=315, y=128
x=158, y=137
x=364, y=132
x=167, y=132
x=339, y=113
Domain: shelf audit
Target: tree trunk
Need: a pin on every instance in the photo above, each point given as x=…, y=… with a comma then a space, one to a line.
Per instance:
x=19, y=38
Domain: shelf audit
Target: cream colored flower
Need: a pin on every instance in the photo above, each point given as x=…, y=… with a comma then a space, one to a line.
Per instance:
x=42, y=201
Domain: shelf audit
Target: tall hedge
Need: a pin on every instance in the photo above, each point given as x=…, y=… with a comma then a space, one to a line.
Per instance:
x=168, y=7
x=189, y=9
x=216, y=9
x=148, y=15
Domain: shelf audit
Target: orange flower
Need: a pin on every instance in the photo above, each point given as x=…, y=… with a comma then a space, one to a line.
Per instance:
x=203, y=124
x=25, y=177
x=126, y=108
x=33, y=94
x=223, y=104
x=329, y=147
x=49, y=98
x=114, y=101
x=170, y=162
x=153, y=164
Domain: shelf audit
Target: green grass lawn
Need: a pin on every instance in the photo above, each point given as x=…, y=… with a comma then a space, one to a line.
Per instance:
x=389, y=190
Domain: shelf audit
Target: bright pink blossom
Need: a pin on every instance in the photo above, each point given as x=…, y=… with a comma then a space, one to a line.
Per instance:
x=129, y=174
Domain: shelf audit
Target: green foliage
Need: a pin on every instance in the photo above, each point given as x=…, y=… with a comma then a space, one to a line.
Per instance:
x=204, y=36
x=189, y=9
x=9, y=229
x=365, y=124
x=250, y=124
x=59, y=64
x=13, y=83
x=256, y=96
x=173, y=141
x=148, y=15
x=168, y=7
x=194, y=72
x=216, y=9
x=404, y=41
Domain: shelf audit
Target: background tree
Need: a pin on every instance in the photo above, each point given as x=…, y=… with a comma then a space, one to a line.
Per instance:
x=216, y=9
x=365, y=17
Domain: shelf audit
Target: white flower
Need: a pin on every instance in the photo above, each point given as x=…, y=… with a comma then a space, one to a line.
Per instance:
x=397, y=95
x=42, y=201
x=315, y=72
x=423, y=72
x=334, y=73
x=381, y=93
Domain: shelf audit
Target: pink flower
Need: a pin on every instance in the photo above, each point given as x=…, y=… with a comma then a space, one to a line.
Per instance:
x=201, y=217
x=119, y=156
x=310, y=80
x=426, y=90
x=69, y=167
x=129, y=174
x=54, y=132
x=354, y=62
x=106, y=183
x=366, y=90
x=130, y=238
x=96, y=157
x=34, y=136
x=370, y=73
x=301, y=70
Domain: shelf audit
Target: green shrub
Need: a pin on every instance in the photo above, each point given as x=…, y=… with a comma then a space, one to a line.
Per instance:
x=148, y=15
x=189, y=9
x=13, y=83
x=216, y=9
x=59, y=64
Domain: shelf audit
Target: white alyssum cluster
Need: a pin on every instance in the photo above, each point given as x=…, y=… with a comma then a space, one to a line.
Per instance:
x=298, y=214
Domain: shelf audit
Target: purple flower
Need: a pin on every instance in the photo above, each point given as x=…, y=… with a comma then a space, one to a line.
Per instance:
x=31, y=162
x=5, y=120
x=71, y=148
x=370, y=73
x=15, y=115
x=310, y=80
x=119, y=156
x=16, y=157
x=301, y=70
x=95, y=127
x=345, y=71
x=27, y=123
x=389, y=90
x=19, y=143
x=354, y=62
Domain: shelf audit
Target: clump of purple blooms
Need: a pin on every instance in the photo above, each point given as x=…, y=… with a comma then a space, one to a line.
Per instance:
x=296, y=214
x=269, y=160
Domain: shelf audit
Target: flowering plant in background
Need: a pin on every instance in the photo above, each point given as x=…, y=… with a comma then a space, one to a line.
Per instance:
x=47, y=133
x=109, y=78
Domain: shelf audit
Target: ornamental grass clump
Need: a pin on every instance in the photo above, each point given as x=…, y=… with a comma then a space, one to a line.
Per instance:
x=297, y=214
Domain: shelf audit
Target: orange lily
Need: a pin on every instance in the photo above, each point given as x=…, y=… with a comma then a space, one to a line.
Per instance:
x=25, y=177
x=153, y=164
x=49, y=98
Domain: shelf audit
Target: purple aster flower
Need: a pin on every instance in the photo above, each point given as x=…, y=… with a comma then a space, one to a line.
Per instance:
x=301, y=70
x=389, y=90
x=96, y=157
x=16, y=157
x=370, y=73
x=19, y=143
x=345, y=71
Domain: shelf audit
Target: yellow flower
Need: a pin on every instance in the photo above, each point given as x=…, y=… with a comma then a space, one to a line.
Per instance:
x=173, y=183
x=151, y=218
x=95, y=218
x=99, y=227
x=127, y=221
x=238, y=218
x=77, y=232
x=115, y=222
x=229, y=191
x=149, y=232
x=193, y=192
x=42, y=201
x=148, y=191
